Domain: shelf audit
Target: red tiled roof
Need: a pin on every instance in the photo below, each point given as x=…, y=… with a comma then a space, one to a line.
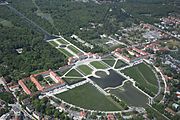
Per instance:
x=56, y=77
x=139, y=51
x=110, y=117
x=33, y=79
x=26, y=90
x=178, y=94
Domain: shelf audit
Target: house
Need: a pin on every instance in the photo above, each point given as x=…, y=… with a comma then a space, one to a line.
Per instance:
x=130, y=55
x=176, y=107
x=124, y=58
x=178, y=94
x=82, y=114
x=72, y=60
x=16, y=111
x=96, y=56
x=139, y=51
x=77, y=38
x=30, y=108
x=89, y=45
x=19, y=50
x=14, y=87
x=110, y=117
x=82, y=57
x=170, y=111
x=37, y=115
x=26, y=101
x=90, y=55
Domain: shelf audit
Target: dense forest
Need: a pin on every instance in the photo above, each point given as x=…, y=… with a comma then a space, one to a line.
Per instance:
x=151, y=10
x=36, y=54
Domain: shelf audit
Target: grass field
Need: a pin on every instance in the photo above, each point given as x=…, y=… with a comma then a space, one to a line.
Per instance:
x=98, y=65
x=53, y=43
x=50, y=80
x=131, y=95
x=73, y=73
x=66, y=53
x=120, y=64
x=109, y=58
x=109, y=62
x=147, y=72
x=156, y=114
x=72, y=80
x=75, y=50
x=43, y=83
x=63, y=72
x=85, y=69
x=6, y=23
x=144, y=76
x=88, y=97
x=62, y=41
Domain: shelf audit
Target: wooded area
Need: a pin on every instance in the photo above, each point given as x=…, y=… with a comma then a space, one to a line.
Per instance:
x=66, y=17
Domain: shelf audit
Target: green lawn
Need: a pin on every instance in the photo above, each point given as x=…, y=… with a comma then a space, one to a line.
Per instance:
x=73, y=73
x=61, y=73
x=6, y=23
x=87, y=96
x=62, y=41
x=66, y=53
x=143, y=75
x=31, y=86
x=85, y=69
x=147, y=72
x=98, y=65
x=156, y=114
x=72, y=80
x=43, y=83
x=109, y=58
x=109, y=62
x=53, y=43
x=50, y=80
x=75, y=50
x=120, y=64
x=131, y=95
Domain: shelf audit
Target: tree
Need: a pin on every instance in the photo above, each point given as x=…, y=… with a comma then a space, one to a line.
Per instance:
x=48, y=111
x=56, y=114
x=8, y=79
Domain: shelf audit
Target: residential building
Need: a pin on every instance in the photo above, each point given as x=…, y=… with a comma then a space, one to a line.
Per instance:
x=170, y=111
x=178, y=94
x=37, y=115
x=55, y=77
